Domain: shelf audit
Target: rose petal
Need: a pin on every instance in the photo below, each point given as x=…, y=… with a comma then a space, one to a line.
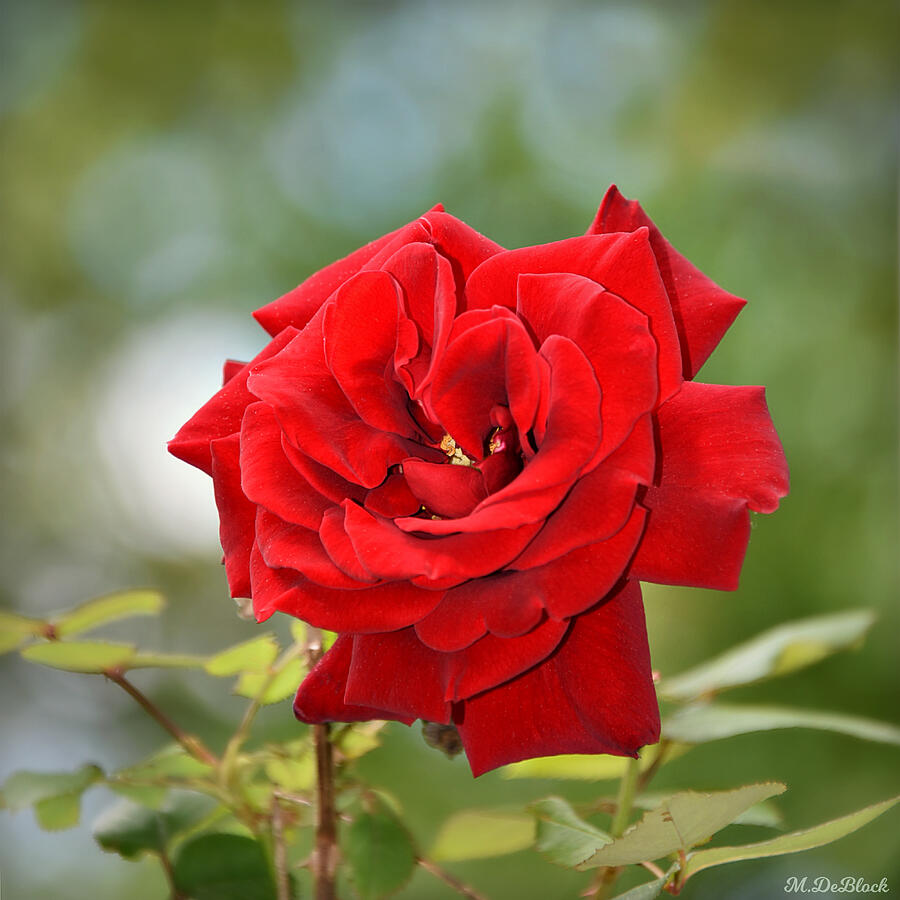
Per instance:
x=397, y=672
x=316, y=416
x=392, y=498
x=570, y=441
x=622, y=263
x=377, y=608
x=320, y=697
x=593, y=695
x=611, y=333
x=391, y=553
x=221, y=415
x=720, y=456
x=297, y=307
x=236, y=514
x=703, y=311
x=360, y=329
x=267, y=476
x=445, y=489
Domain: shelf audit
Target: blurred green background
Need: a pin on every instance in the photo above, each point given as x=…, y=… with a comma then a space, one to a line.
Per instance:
x=167, y=167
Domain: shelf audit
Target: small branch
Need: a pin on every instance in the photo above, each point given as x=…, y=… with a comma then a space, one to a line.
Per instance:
x=624, y=801
x=655, y=869
x=170, y=877
x=325, y=861
x=282, y=881
x=192, y=744
x=449, y=879
x=647, y=775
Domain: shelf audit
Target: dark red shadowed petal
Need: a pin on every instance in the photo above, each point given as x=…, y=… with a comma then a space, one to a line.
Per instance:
x=445, y=489
x=719, y=457
x=222, y=414
x=395, y=671
x=593, y=695
x=371, y=609
x=320, y=697
x=703, y=311
x=491, y=364
x=236, y=514
x=611, y=333
x=570, y=441
x=267, y=476
x=392, y=498
x=622, y=263
x=297, y=307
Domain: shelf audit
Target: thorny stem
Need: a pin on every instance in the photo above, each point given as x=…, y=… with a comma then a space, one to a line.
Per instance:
x=170, y=877
x=325, y=856
x=192, y=744
x=451, y=880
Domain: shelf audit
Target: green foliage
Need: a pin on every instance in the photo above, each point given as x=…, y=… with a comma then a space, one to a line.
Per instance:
x=481, y=833
x=267, y=686
x=698, y=723
x=15, y=629
x=562, y=836
x=684, y=820
x=55, y=796
x=600, y=767
x=646, y=891
x=81, y=656
x=379, y=852
x=795, y=842
x=172, y=762
x=778, y=651
x=764, y=814
x=249, y=656
x=107, y=609
x=223, y=867
x=132, y=829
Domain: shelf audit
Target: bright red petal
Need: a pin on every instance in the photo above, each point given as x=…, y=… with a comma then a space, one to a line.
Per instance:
x=703, y=311
x=720, y=457
x=593, y=695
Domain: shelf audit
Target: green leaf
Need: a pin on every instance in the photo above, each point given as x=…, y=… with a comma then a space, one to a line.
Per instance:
x=646, y=891
x=684, y=820
x=596, y=767
x=108, y=609
x=379, y=853
x=257, y=685
x=359, y=739
x=297, y=775
x=764, y=814
x=712, y=721
x=131, y=829
x=480, y=833
x=223, y=867
x=778, y=651
x=14, y=629
x=23, y=789
x=562, y=836
x=149, y=795
x=795, y=842
x=55, y=796
x=80, y=656
x=170, y=762
x=257, y=653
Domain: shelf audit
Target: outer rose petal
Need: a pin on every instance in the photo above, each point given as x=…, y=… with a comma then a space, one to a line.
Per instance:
x=320, y=698
x=236, y=514
x=593, y=695
x=221, y=415
x=703, y=311
x=720, y=456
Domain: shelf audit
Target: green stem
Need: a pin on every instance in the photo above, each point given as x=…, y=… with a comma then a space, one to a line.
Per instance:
x=608, y=876
x=625, y=799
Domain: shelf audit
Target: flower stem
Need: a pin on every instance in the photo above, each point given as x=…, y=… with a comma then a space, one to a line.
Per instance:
x=325, y=864
x=192, y=744
x=608, y=876
x=451, y=880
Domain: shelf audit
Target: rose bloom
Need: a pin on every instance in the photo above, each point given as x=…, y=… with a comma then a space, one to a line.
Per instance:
x=464, y=459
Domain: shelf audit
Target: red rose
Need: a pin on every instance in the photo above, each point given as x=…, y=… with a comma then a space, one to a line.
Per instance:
x=464, y=459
